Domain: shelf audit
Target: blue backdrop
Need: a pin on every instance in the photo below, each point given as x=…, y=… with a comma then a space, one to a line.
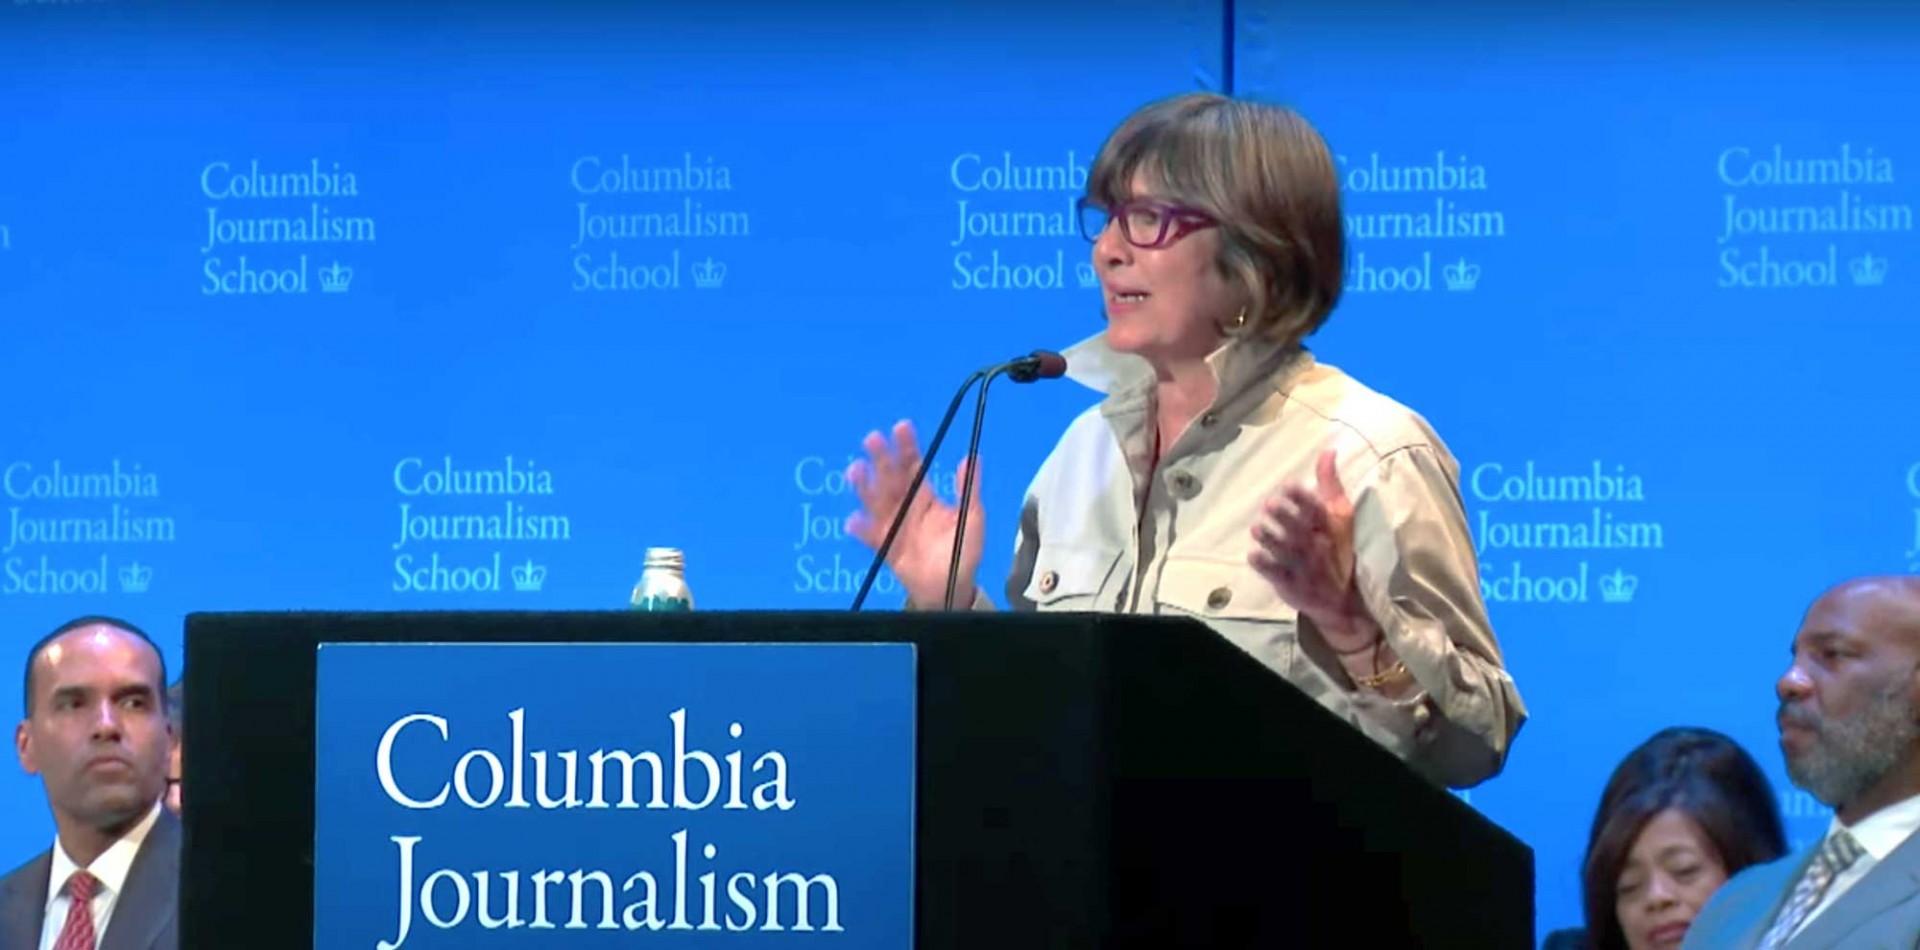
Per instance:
x=291, y=298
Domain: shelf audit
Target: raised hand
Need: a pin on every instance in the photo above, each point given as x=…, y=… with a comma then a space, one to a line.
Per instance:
x=922, y=552
x=1303, y=545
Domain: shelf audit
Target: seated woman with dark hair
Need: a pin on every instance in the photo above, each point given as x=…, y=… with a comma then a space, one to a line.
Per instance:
x=1681, y=814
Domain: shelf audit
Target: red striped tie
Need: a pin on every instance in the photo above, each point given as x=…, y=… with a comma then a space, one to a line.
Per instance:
x=78, y=933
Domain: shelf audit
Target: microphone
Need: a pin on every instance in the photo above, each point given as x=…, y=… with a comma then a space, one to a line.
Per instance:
x=1040, y=364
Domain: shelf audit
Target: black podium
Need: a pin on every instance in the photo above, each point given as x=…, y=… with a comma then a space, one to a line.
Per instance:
x=1083, y=781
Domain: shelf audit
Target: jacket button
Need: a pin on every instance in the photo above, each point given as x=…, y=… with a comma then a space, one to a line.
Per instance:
x=1185, y=484
x=1048, y=581
x=1209, y=420
x=1220, y=597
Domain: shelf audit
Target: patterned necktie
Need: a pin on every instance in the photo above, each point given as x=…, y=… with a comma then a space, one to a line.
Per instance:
x=1836, y=855
x=78, y=933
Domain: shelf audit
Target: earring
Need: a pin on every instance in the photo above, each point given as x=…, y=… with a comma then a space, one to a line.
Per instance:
x=1239, y=322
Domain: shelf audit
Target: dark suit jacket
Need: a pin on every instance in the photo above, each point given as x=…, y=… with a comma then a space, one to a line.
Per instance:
x=144, y=916
x=1879, y=912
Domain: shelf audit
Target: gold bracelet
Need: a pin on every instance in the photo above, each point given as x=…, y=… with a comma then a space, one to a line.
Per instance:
x=1380, y=679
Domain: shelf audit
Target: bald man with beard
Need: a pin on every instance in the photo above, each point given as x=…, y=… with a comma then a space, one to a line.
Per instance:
x=1850, y=731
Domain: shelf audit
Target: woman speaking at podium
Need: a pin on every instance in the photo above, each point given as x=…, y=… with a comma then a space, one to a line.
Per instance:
x=1228, y=475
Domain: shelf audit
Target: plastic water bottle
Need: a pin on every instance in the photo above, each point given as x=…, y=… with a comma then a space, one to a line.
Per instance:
x=663, y=582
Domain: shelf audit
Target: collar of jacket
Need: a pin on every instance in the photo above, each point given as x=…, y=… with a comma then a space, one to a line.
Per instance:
x=1127, y=380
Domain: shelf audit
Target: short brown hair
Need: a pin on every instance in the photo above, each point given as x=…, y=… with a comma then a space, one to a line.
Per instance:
x=1266, y=175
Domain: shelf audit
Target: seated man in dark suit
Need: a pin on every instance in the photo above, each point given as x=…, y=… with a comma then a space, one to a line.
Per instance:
x=1850, y=729
x=98, y=735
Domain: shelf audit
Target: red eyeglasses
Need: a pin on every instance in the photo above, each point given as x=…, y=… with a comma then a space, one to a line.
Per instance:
x=1143, y=222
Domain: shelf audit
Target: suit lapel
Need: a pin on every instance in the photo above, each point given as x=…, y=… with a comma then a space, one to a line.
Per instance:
x=1769, y=894
x=1892, y=881
x=23, y=903
x=152, y=894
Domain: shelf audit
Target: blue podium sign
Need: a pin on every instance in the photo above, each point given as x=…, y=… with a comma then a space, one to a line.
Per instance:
x=590, y=795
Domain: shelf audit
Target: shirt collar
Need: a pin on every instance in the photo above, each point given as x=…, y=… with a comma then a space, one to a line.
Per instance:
x=1127, y=380
x=111, y=867
x=1884, y=830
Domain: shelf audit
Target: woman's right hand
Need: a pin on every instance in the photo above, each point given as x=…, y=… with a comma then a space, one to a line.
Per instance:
x=922, y=552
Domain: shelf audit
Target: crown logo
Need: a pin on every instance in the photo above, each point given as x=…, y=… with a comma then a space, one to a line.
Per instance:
x=709, y=274
x=1461, y=276
x=1618, y=587
x=529, y=577
x=135, y=578
x=1868, y=270
x=336, y=279
x=1088, y=278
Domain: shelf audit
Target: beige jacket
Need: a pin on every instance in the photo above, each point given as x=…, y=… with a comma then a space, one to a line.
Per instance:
x=1078, y=549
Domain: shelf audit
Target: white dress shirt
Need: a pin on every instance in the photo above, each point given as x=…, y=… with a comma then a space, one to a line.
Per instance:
x=111, y=868
x=1879, y=834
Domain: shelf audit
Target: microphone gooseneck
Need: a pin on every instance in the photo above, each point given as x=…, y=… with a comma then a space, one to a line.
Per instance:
x=919, y=476
x=966, y=489
x=1040, y=364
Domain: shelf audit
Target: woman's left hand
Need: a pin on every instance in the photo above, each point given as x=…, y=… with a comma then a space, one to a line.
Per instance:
x=1303, y=545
